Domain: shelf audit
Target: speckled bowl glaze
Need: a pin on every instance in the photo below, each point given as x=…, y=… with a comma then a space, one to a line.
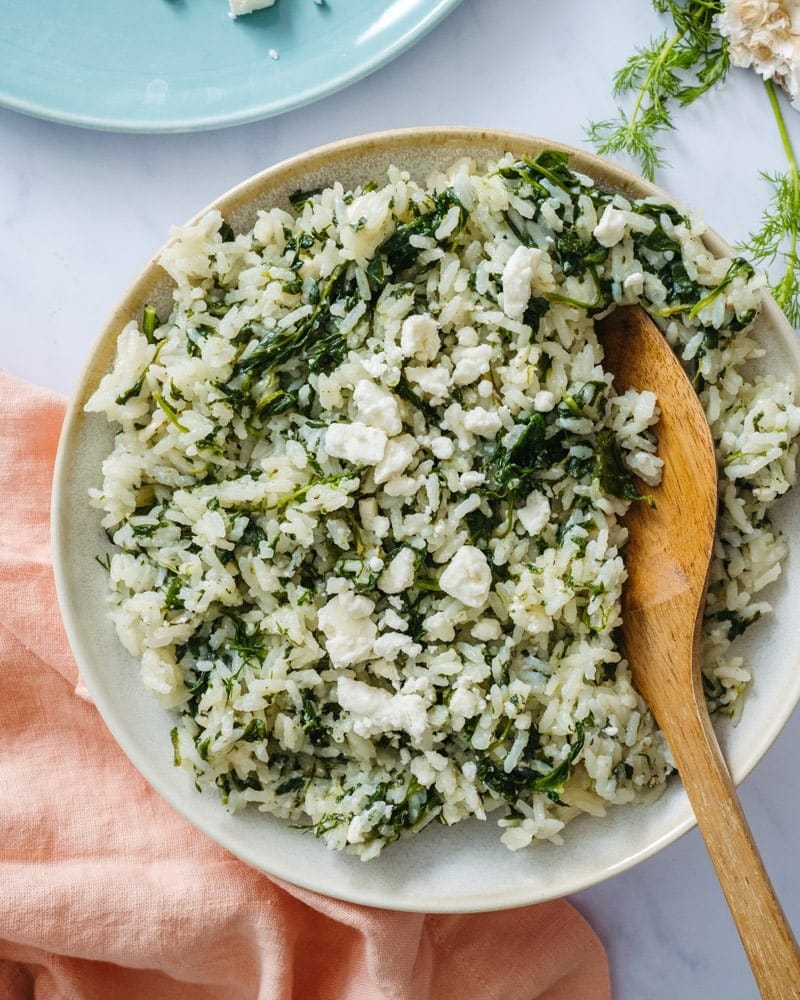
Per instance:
x=459, y=869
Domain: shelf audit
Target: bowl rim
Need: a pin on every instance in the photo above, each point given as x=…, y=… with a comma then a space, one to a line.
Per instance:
x=243, y=196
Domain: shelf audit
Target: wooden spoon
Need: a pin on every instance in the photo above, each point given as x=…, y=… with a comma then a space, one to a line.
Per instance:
x=667, y=558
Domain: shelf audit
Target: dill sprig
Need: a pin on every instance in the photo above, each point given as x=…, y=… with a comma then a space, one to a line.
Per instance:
x=778, y=237
x=678, y=67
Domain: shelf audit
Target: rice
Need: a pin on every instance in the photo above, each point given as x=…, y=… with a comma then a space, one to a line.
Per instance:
x=366, y=488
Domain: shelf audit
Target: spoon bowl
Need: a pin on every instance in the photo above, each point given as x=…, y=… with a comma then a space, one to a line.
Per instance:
x=667, y=558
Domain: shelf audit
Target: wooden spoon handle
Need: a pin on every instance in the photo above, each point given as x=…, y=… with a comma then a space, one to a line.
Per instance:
x=765, y=932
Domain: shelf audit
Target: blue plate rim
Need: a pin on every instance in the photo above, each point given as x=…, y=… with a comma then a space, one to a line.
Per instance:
x=249, y=114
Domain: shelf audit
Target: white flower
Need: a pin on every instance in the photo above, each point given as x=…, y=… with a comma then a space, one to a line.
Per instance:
x=765, y=34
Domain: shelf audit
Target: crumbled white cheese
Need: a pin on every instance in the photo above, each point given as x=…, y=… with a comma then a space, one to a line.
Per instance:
x=399, y=574
x=388, y=645
x=340, y=533
x=375, y=365
x=371, y=520
x=377, y=407
x=535, y=514
x=329, y=392
x=419, y=338
x=453, y=421
x=348, y=629
x=544, y=401
x=518, y=280
x=466, y=703
x=391, y=620
x=470, y=480
x=486, y=630
x=442, y=447
x=433, y=382
x=355, y=830
x=296, y=454
x=397, y=457
x=375, y=711
x=439, y=627
x=472, y=363
x=485, y=423
x=467, y=577
x=611, y=227
x=356, y=443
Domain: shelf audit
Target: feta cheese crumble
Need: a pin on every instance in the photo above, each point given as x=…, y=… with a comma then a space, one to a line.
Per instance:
x=611, y=228
x=348, y=629
x=467, y=577
x=357, y=443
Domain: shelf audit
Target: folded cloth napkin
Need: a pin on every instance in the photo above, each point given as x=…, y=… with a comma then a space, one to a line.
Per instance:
x=105, y=891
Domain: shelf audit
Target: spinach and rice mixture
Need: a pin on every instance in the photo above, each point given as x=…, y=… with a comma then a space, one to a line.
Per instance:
x=365, y=496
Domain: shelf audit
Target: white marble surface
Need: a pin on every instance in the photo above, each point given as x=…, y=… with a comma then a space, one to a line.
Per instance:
x=81, y=212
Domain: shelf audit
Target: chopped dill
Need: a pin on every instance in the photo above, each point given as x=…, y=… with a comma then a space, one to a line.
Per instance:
x=676, y=68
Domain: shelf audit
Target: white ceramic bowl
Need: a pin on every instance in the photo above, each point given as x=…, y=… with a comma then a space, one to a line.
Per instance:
x=458, y=869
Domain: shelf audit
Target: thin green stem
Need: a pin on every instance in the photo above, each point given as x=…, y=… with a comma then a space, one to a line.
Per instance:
x=784, y=134
x=794, y=171
x=652, y=73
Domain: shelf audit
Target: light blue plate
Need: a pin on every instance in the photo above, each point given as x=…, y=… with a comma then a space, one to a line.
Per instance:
x=180, y=65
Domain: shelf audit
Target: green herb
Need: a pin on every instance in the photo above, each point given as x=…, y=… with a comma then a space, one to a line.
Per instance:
x=276, y=402
x=779, y=235
x=404, y=391
x=299, y=495
x=537, y=308
x=610, y=469
x=244, y=642
x=576, y=255
x=150, y=323
x=418, y=807
x=104, y=561
x=676, y=68
x=170, y=413
x=514, y=468
x=299, y=199
x=253, y=535
x=176, y=752
x=255, y=731
x=292, y=785
x=225, y=782
x=550, y=165
x=522, y=778
x=312, y=722
x=172, y=599
x=316, y=339
x=398, y=249
x=738, y=623
x=680, y=285
x=136, y=388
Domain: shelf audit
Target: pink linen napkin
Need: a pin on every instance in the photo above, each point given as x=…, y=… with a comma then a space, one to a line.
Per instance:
x=105, y=891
